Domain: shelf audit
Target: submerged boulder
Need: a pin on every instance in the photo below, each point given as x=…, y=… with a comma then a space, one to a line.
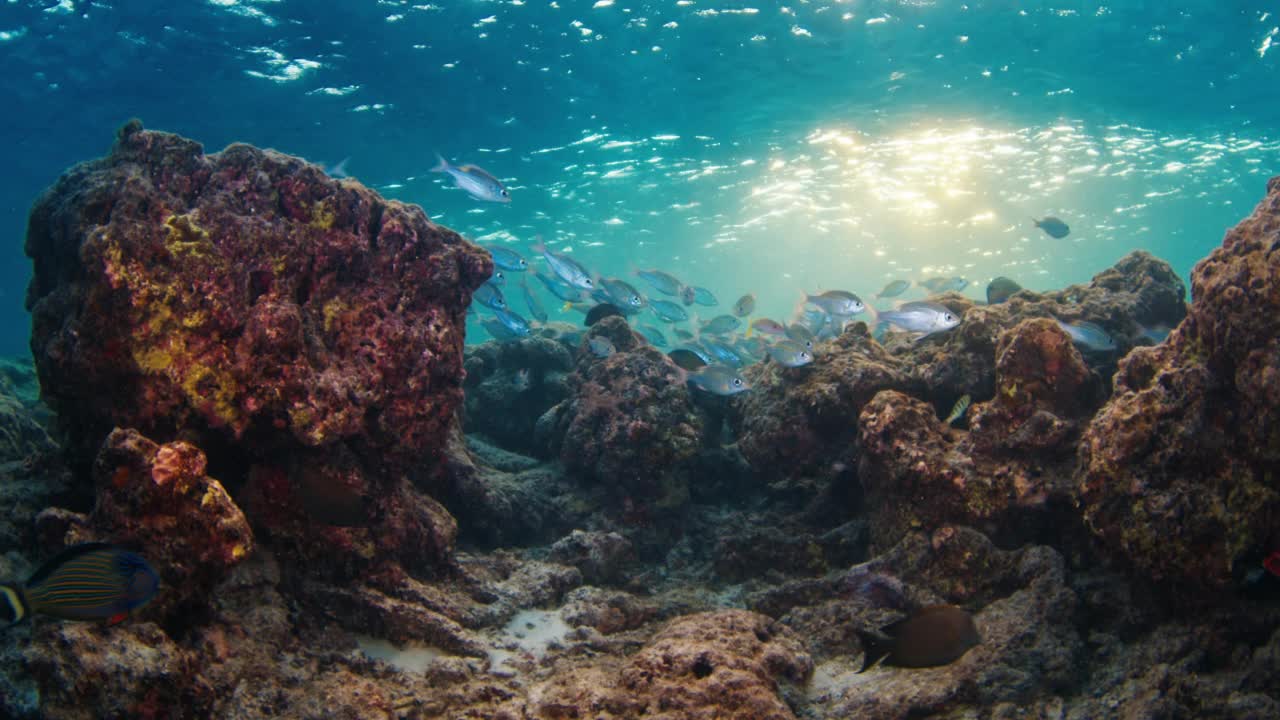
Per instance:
x=278, y=317
x=1180, y=471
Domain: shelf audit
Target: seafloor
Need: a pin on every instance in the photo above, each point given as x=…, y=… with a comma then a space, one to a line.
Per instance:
x=254, y=374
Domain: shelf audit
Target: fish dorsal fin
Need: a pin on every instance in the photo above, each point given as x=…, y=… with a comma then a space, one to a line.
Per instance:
x=473, y=170
x=62, y=558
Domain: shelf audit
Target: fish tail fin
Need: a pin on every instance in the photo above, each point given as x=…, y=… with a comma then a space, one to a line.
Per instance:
x=442, y=165
x=16, y=602
x=874, y=649
x=340, y=170
x=1037, y=222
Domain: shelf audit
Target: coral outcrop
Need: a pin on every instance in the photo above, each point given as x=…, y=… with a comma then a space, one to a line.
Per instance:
x=510, y=385
x=630, y=425
x=1180, y=472
x=281, y=319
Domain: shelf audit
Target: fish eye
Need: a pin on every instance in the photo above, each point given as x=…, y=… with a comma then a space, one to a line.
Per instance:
x=948, y=317
x=737, y=382
x=505, y=193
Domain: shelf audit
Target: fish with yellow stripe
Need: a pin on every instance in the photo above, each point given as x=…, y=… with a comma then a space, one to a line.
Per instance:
x=92, y=581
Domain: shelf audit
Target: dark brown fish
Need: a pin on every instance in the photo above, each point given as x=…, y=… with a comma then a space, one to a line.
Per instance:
x=1000, y=289
x=600, y=312
x=931, y=636
x=1053, y=227
x=686, y=359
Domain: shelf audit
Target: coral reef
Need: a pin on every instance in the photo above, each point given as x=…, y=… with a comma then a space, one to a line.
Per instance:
x=607, y=543
x=276, y=317
x=629, y=425
x=1179, y=471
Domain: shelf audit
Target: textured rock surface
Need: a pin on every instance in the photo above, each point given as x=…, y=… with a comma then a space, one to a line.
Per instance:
x=629, y=425
x=249, y=301
x=158, y=500
x=510, y=385
x=1180, y=472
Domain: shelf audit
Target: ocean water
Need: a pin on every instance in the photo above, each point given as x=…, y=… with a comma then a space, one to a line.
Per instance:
x=743, y=145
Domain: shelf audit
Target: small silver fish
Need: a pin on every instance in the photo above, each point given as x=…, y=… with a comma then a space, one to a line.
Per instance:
x=921, y=317
x=531, y=302
x=721, y=324
x=600, y=346
x=622, y=293
x=559, y=289
x=478, y=183
x=498, y=278
x=668, y=311
x=723, y=353
x=1089, y=336
x=489, y=296
x=653, y=335
x=801, y=334
x=894, y=289
x=719, y=380
x=699, y=295
x=521, y=381
x=837, y=302
x=507, y=259
x=569, y=270
x=661, y=281
x=790, y=353
x=745, y=305
x=495, y=328
x=512, y=322
x=767, y=326
x=958, y=410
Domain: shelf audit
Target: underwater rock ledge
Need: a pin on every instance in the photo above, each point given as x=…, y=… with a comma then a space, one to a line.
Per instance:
x=300, y=330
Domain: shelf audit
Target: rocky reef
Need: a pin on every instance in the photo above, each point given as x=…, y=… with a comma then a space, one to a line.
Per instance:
x=274, y=417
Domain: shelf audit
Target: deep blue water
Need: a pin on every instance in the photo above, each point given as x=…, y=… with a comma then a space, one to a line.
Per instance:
x=745, y=146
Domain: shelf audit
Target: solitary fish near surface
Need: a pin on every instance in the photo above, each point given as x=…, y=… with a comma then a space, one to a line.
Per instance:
x=931, y=636
x=93, y=581
x=1053, y=227
x=478, y=183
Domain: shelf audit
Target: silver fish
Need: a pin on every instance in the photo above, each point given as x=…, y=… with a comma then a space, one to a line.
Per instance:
x=745, y=305
x=668, y=311
x=531, y=302
x=723, y=353
x=622, y=293
x=719, y=380
x=721, y=324
x=507, y=259
x=767, y=326
x=559, y=289
x=569, y=270
x=1089, y=336
x=495, y=328
x=790, y=353
x=498, y=278
x=801, y=334
x=513, y=322
x=837, y=302
x=661, y=281
x=653, y=335
x=894, y=289
x=699, y=295
x=478, y=183
x=600, y=346
x=921, y=317
x=489, y=296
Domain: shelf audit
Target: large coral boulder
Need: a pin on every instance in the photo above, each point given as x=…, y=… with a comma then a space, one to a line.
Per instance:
x=245, y=299
x=1180, y=471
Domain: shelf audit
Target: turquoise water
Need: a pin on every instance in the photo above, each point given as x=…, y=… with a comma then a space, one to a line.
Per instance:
x=744, y=146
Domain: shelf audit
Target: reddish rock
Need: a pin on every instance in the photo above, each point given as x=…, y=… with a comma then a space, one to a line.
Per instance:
x=630, y=424
x=158, y=500
x=1180, y=471
x=292, y=321
x=1013, y=467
